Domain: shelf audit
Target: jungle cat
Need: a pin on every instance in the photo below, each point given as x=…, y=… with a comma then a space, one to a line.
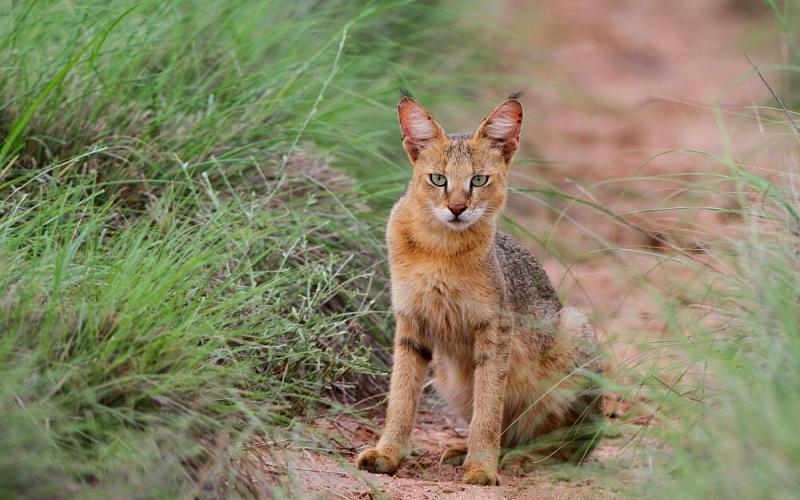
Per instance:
x=474, y=302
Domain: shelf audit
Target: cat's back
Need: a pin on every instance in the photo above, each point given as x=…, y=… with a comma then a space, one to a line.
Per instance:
x=528, y=289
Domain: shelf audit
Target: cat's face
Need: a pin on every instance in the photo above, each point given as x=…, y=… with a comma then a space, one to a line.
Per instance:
x=459, y=181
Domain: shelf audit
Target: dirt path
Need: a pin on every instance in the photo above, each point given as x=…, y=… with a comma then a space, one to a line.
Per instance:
x=614, y=82
x=613, y=466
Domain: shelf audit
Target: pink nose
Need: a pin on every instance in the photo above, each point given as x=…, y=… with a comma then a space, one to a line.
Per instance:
x=457, y=208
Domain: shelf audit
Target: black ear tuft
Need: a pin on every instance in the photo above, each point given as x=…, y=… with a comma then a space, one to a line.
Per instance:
x=516, y=95
x=405, y=93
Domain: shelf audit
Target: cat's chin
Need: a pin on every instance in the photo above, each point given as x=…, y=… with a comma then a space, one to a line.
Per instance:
x=458, y=225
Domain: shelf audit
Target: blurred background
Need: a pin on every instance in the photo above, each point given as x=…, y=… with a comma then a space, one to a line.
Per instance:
x=193, y=283
x=626, y=103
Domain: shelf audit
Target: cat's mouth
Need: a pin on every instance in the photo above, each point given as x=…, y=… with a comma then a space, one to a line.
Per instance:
x=458, y=222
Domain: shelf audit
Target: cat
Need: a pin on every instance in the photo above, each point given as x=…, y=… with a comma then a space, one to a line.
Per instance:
x=475, y=303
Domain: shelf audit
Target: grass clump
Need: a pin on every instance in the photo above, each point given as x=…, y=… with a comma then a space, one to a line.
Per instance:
x=218, y=324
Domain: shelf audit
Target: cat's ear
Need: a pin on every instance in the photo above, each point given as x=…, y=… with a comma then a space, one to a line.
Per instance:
x=502, y=128
x=419, y=127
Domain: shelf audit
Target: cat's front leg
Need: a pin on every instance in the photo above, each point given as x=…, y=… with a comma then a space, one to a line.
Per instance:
x=411, y=358
x=491, y=356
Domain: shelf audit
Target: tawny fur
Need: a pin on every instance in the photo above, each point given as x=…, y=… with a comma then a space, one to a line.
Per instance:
x=506, y=354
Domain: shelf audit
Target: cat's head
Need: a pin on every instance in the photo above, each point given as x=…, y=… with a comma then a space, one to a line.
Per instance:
x=459, y=181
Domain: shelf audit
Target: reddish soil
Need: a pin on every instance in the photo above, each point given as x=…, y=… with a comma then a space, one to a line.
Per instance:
x=613, y=84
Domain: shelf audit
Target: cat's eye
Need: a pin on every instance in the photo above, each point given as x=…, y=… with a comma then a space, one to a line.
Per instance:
x=438, y=180
x=479, y=180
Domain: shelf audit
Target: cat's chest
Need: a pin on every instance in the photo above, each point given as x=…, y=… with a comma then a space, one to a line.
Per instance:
x=444, y=301
x=429, y=291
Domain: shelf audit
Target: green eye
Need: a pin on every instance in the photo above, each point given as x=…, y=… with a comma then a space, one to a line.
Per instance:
x=438, y=180
x=479, y=180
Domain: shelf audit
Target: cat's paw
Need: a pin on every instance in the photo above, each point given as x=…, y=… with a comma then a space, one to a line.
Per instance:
x=379, y=462
x=454, y=455
x=483, y=476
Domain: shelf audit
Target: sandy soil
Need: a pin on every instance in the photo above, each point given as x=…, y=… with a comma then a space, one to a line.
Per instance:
x=613, y=83
x=615, y=465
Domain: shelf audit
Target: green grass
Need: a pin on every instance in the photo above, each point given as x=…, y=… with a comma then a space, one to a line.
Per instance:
x=181, y=267
x=218, y=322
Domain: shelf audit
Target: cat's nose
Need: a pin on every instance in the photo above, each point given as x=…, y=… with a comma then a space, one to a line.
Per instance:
x=457, y=208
